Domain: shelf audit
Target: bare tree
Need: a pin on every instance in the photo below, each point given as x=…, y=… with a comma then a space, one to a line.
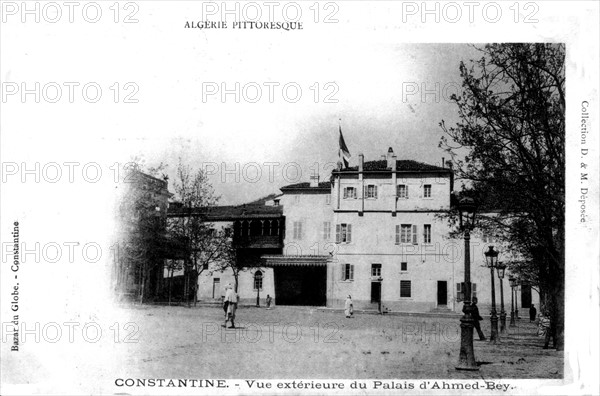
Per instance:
x=205, y=244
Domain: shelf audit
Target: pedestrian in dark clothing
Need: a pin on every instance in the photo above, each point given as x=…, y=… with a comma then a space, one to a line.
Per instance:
x=546, y=323
x=476, y=319
x=532, y=313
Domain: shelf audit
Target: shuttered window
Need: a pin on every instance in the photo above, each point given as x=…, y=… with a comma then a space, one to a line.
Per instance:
x=427, y=233
x=349, y=192
x=427, y=191
x=402, y=191
x=326, y=230
x=343, y=233
x=371, y=191
x=297, y=230
x=347, y=272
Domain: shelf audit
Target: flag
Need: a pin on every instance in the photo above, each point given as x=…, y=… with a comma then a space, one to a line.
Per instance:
x=344, y=152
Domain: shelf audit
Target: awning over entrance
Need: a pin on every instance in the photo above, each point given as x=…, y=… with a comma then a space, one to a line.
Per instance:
x=295, y=261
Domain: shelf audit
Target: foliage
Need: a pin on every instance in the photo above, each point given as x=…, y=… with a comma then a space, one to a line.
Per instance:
x=509, y=149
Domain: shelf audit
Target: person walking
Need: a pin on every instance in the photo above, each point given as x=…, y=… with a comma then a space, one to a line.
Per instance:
x=547, y=330
x=269, y=301
x=532, y=313
x=231, y=298
x=349, y=307
x=476, y=319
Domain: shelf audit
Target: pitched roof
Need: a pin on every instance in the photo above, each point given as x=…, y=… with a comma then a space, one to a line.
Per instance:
x=325, y=185
x=229, y=212
x=401, y=166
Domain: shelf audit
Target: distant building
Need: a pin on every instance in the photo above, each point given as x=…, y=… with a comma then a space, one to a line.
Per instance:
x=142, y=241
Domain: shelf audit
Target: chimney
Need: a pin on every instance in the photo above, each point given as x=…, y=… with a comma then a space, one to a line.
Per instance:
x=314, y=180
x=391, y=159
x=361, y=162
x=443, y=162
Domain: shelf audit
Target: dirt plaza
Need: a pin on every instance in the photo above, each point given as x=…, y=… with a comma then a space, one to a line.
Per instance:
x=180, y=342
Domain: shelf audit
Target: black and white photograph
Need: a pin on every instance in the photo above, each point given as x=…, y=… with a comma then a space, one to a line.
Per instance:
x=289, y=198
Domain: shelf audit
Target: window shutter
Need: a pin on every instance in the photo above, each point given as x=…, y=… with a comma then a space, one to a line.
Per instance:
x=349, y=233
x=338, y=229
x=473, y=290
x=366, y=192
x=299, y=230
x=414, y=234
x=343, y=271
x=397, y=234
x=374, y=191
x=351, y=277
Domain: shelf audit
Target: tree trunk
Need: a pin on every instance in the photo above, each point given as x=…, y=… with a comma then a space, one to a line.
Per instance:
x=557, y=312
x=170, y=284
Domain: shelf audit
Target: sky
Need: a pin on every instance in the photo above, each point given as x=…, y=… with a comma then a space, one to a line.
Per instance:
x=388, y=95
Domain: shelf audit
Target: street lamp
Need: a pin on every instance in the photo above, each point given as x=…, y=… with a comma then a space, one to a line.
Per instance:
x=501, y=268
x=513, y=282
x=491, y=257
x=466, y=217
x=258, y=282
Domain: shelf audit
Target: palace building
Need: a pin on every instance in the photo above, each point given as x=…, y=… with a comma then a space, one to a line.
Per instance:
x=375, y=231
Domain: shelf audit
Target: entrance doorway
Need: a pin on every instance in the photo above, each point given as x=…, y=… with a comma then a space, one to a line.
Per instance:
x=301, y=285
x=442, y=293
x=216, y=287
x=375, y=292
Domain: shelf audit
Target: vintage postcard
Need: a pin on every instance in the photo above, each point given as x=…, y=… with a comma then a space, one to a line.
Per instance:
x=299, y=197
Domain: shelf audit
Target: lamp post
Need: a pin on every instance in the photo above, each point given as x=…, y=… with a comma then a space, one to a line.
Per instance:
x=512, y=281
x=517, y=300
x=491, y=257
x=258, y=281
x=466, y=361
x=501, y=268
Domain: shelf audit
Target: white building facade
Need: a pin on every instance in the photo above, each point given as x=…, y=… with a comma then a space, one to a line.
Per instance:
x=377, y=232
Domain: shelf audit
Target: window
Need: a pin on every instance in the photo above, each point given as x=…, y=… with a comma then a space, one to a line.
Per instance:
x=405, y=288
x=406, y=233
x=343, y=233
x=347, y=272
x=427, y=233
x=328, y=199
x=376, y=270
x=205, y=265
x=258, y=280
x=404, y=266
x=276, y=202
x=349, y=192
x=460, y=291
x=371, y=191
x=486, y=237
x=427, y=191
x=326, y=230
x=402, y=191
x=297, y=230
